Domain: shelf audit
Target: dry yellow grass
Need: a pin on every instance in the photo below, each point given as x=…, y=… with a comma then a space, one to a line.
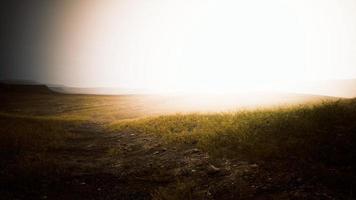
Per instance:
x=306, y=131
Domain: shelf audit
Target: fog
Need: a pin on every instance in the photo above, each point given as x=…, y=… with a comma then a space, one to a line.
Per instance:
x=196, y=46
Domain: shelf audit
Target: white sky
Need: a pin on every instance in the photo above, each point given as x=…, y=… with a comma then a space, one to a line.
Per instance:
x=206, y=45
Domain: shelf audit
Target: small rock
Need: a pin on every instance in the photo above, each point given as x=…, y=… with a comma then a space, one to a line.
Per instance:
x=213, y=170
x=193, y=170
x=156, y=152
x=254, y=165
x=156, y=145
x=192, y=151
x=164, y=149
x=117, y=165
x=99, y=189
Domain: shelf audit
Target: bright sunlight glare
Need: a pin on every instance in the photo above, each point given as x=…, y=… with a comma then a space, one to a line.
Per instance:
x=205, y=46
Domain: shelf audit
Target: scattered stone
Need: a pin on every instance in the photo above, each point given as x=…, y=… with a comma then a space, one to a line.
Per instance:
x=213, y=170
x=117, y=165
x=156, y=145
x=254, y=165
x=241, y=163
x=192, y=151
x=156, y=152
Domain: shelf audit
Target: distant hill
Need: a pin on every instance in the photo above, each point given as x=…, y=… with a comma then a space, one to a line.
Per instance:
x=24, y=88
x=28, y=86
x=97, y=91
x=19, y=82
x=338, y=88
x=333, y=88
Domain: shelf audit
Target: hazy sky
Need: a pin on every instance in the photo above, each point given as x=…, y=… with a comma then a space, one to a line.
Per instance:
x=179, y=45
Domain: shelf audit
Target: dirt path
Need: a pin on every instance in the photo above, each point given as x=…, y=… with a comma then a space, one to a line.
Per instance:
x=101, y=165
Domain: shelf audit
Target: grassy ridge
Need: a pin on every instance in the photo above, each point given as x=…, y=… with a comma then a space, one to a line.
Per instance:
x=324, y=132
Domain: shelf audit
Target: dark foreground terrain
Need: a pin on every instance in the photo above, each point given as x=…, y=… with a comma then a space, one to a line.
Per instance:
x=55, y=146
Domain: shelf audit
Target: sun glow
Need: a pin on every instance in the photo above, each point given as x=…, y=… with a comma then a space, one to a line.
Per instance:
x=205, y=46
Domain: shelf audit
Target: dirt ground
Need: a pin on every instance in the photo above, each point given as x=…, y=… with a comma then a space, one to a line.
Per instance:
x=102, y=165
